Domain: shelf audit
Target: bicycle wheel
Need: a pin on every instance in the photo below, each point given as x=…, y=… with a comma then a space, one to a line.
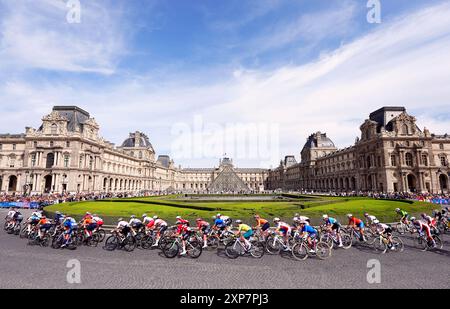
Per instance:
x=111, y=244
x=325, y=238
x=147, y=242
x=231, y=251
x=379, y=245
x=420, y=243
x=323, y=250
x=397, y=244
x=129, y=244
x=346, y=241
x=438, y=241
x=45, y=241
x=24, y=232
x=300, y=251
x=171, y=249
x=194, y=249
x=92, y=241
x=273, y=245
x=257, y=250
x=400, y=227
x=57, y=241
x=101, y=235
x=213, y=242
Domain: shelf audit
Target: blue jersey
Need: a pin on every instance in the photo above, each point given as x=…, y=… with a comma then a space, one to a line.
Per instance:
x=219, y=222
x=309, y=229
x=332, y=221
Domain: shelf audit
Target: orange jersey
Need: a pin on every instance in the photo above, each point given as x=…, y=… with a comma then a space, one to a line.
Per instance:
x=261, y=222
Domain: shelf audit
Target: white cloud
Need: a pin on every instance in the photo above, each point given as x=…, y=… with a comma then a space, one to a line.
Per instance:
x=36, y=34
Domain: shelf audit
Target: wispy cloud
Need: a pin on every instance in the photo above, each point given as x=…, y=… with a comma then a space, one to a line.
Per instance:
x=36, y=34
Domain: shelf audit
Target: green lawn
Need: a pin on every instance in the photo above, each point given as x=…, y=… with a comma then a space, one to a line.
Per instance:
x=169, y=207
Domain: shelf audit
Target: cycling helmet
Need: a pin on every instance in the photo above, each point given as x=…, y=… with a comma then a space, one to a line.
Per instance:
x=413, y=218
x=199, y=219
x=120, y=219
x=376, y=221
x=297, y=215
x=276, y=220
x=218, y=215
x=349, y=215
x=366, y=214
x=325, y=217
x=58, y=213
x=133, y=217
x=238, y=221
x=178, y=217
x=423, y=215
x=88, y=213
x=302, y=222
x=397, y=209
x=144, y=215
x=155, y=217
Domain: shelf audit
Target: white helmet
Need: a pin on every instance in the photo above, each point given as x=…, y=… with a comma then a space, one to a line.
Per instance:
x=413, y=218
x=238, y=221
x=276, y=220
x=325, y=217
x=218, y=215
x=349, y=215
x=155, y=217
x=376, y=221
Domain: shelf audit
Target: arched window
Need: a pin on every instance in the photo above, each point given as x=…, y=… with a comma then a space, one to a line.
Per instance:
x=405, y=130
x=54, y=129
x=409, y=159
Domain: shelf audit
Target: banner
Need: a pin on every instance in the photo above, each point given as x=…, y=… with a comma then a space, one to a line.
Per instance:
x=27, y=205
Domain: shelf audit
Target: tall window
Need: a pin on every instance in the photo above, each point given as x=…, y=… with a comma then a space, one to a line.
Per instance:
x=52, y=144
x=54, y=129
x=91, y=163
x=66, y=161
x=443, y=161
x=441, y=146
x=35, y=144
x=14, y=146
x=33, y=160
x=425, y=160
x=81, y=162
x=409, y=159
x=405, y=129
x=67, y=144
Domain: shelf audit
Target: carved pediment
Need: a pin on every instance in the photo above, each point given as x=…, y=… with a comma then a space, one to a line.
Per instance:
x=55, y=117
x=92, y=123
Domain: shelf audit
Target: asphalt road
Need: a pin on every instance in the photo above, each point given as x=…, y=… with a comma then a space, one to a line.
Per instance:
x=24, y=266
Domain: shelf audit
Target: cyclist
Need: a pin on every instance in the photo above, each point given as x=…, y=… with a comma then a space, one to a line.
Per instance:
x=147, y=221
x=69, y=224
x=219, y=224
x=284, y=230
x=33, y=220
x=97, y=220
x=87, y=215
x=385, y=230
x=357, y=224
x=183, y=231
x=333, y=226
x=10, y=214
x=244, y=232
x=123, y=227
x=135, y=224
x=262, y=224
x=59, y=217
x=309, y=232
x=404, y=214
x=17, y=218
x=88, y=225
x=369, y=218
x=44, y=225
x=205, y=228
x=422, y=228
x=161, y=226
x=297, y=218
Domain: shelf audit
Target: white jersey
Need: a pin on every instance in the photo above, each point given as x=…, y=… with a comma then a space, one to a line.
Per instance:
x=301, y=218
x=147, y=220
x=11, y=213
x=383, y=226
x=135, y=221
x=122, y=224
x=370, y=219
x=160, y=222
x=97, y=219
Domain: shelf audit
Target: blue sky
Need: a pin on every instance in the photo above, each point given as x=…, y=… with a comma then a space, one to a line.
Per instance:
x=293, y=67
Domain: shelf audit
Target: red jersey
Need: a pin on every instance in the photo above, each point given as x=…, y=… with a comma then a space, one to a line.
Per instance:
x=354, y=221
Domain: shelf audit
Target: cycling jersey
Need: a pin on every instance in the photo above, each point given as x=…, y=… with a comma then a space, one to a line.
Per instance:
x=182, y=228
x=160, y=223
x=123, y=224
x=219, y=222
x=261, y=222
x=331, y=221
x=10, y=214
x=403, y=213
x=135, y=222
x=356, y=221
x=283, y=227
x=244, y=228
x=202, y=224
x=309, y=229
x=370, y=219
x=98, y=220
x=423, y=227
x=147, y=220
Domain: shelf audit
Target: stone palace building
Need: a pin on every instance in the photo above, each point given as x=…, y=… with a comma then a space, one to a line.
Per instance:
x=66, y=154
x=392, y=155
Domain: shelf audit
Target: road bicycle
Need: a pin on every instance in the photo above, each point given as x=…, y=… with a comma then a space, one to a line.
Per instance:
x=302, y=250
x=237, y=248
x=421, y=242
x=402, y=228
x=14, y=228
x=275, y=243
x=43, y=241
x=356, y=236
x=59, y=240
x=173, y=246
x=118, y=241
x=381, y=243
x=331, y=238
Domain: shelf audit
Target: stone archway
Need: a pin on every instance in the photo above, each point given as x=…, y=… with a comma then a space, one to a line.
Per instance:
x=411, y=183
x=12, y=184
x=443, y=183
